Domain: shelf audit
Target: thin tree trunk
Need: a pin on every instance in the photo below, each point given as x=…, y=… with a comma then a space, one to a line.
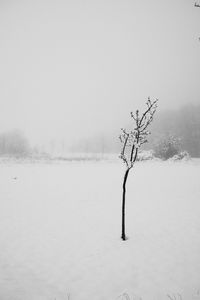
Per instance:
x=123, y=236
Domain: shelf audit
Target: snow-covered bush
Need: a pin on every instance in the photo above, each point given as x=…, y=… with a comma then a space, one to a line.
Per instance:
x=183, y=155
x=167, y=148
x=145, y=155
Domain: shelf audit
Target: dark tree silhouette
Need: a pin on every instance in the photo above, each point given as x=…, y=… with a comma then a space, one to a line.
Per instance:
x=131, y=142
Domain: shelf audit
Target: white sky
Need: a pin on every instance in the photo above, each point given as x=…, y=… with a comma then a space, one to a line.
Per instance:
x=73, y=68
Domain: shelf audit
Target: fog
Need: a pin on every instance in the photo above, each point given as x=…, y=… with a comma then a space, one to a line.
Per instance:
x=71, y=70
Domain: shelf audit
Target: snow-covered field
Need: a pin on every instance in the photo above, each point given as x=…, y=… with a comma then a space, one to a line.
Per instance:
x=60, y=226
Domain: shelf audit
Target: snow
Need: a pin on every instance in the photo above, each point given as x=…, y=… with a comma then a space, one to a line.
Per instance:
x=60, y=226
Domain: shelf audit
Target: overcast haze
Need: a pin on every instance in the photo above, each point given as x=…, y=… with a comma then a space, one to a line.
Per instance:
x=71, y=69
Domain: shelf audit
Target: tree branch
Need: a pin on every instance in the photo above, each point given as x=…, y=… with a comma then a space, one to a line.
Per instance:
x=138, y=136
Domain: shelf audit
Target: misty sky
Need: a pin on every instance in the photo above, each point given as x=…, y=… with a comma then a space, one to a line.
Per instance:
x=73, y=68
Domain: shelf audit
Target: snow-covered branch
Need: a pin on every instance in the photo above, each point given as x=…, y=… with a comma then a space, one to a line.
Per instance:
x=138, y=136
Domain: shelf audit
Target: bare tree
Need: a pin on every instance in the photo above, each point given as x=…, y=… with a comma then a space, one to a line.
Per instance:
x=131, y=142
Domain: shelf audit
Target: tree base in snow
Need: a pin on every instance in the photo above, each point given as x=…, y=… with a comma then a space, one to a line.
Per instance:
x=124, y=237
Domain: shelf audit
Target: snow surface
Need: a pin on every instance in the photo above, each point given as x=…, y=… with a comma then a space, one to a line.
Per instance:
x=60, y=226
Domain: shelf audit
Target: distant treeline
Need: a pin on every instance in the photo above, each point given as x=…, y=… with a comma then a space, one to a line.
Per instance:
x=182, y=124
